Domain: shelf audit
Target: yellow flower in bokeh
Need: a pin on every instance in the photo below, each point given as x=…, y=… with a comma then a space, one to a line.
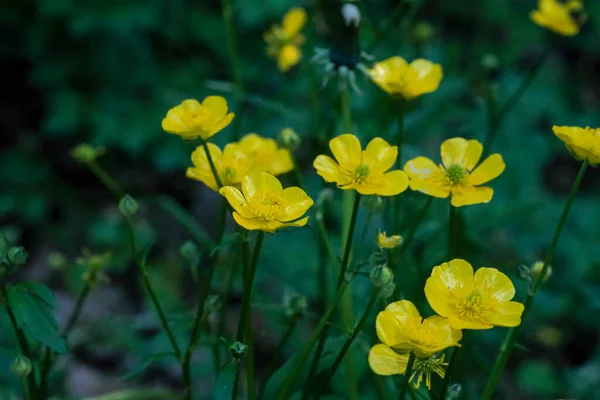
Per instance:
x=363, y=171
x=388, y=242
x=232, y=165
x=559, y=16
x=283, y=42
x=536, y=270
x=396, y=77
x=457, y=175
x=264, y=205
x=583, y=143
x=401, y=327
x=266, y=154
x=192, y=119
x=472, y=301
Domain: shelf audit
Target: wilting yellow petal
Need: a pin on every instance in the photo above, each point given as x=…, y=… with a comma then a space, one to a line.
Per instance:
x=237, y=201
x=379, y=156
x=296, y=203
x=507, y=314
x=327, y=168
x=489, y=169
x=385, y=361
x=289, y=55
x=454, y=152
x=293, y=21
x=468, y=195
x=346, y=150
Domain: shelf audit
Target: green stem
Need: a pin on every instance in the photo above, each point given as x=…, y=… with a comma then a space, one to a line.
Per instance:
x=407, y=373
x=400, y=134
x=346, y=107
x=315, y=362
x=348, y=247
x=297, y=174
x=83, y=294
x=234, y=59
x=449, y=370
x=513, y=333
x=512, y=101
x=348, y=342
x=303, y=356
x=24, y=388
x=107, y=180
x=20, y=336
x=452, y=233
x=212, y=164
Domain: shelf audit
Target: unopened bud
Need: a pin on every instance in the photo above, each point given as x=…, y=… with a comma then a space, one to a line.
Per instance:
x=423, y=32
x=85, y=153
x=454, y=391
x=377, y=258
x=17, y=255
x=388, y=290
x=128, y=206
x=57, y=260
x=325, y=196
x=491, y=66
x=536, y=270
x=289, y=139
x=189, y=251
x=374, y=204
x=21, y=366
x=381, y=275
x=238, y=351
x=294, y=304
x=213, y=304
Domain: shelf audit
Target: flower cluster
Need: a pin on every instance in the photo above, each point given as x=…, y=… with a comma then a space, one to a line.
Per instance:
x=462, y=299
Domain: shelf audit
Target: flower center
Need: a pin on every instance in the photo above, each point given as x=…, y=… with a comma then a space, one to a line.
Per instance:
x=198, y=118
x=361, y=173
x=456, y=174
x=267, y=205
x=229, y=174
x=471, y=307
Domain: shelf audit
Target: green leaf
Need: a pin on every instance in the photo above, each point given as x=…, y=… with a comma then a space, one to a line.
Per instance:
x=35, y=316
x=41, y=290
x=225, y=381
x=147, y=363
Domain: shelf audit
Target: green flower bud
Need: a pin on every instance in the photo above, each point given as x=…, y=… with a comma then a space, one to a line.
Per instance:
x=289, y=139
x=423, y=32
x=189, y=251
x=377, y=258
x=238, y=351
x=85, y=153
x=57, y=260
x=213, y=304
x=381, y=275
x=454, y=391
x=17, y=255
x=294, y=304
x=387, y=290
x=374, y=204
x=128, y=206
x=21, y=366
x=491, y=66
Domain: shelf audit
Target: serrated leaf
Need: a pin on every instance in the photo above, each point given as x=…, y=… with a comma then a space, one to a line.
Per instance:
x=35, y=316
x=146, y=364
x=225, y=382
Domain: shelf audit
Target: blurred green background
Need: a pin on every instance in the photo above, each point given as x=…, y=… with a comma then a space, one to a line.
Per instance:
x=105, y=72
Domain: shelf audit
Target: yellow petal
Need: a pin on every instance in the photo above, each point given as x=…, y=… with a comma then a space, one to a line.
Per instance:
x=217, y=106
x=201, y=170
x=218, y=126
x=489, y=169
x=346, y=150
x=438, y=335
x=403, y=308
x=426, y=79
x=260, y=183
x=425, y=176
x=296, y=203
x=431, y=188
x=251, y=142
x=379, y=156
x=471, y=195
x=454, y=152
x=281, y=162
x=474, y=150
x=294, y=20
x=256, y=224
x=494, y=285
x=203, y=176
x=567, y=133
x=439, y=296
x=299, y=223
x=507, y=314
x=458, y=323
x=456, y=275
x=385, y=361
x=288, y=57
x=388, y=328
x=237, y=201
x=392, y=183
x=327, y=169
x=389, y=74
x=236, y=164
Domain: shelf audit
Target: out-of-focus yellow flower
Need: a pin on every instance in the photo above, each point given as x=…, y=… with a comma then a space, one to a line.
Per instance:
x=388, y=242
x=289, y=139
x=396, y=77
x=457, y=175
x=266, y=155
x=401, y=327
x=264, y=205
x=363, y=171
x=192, y=119
x=284, y=41
x=583, y=143
x=536, y=270
x=559, y=16
x=232, y=165
x=472, y=301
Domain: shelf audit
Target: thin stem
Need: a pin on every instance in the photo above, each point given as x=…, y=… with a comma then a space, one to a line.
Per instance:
x=24, y=388
x=212, y=164
x=303, y=356
x=400, y=135
x=20, y=335
x=83, y=294
x=449, y=370
x=513, y=333
x=346, y=107
x=315, y=362
x=234, y=59
x=348, y=247
x=107, y=180
x=413, y=230
x=297, y=174
x=452, y=233
x=407, y=374
x=348, y=342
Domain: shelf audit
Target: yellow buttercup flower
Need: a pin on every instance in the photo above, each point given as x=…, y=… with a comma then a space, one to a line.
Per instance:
x=232, y=165
x=396, y=77
x=388, y=242
x=472, y=301
x=264, y=205
x=267, y=155
x=457, y=175
x=562, y=17
x=283, y=42
x=401, y=327
x=363, y=171
x=583, y=143
x=192, y=119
